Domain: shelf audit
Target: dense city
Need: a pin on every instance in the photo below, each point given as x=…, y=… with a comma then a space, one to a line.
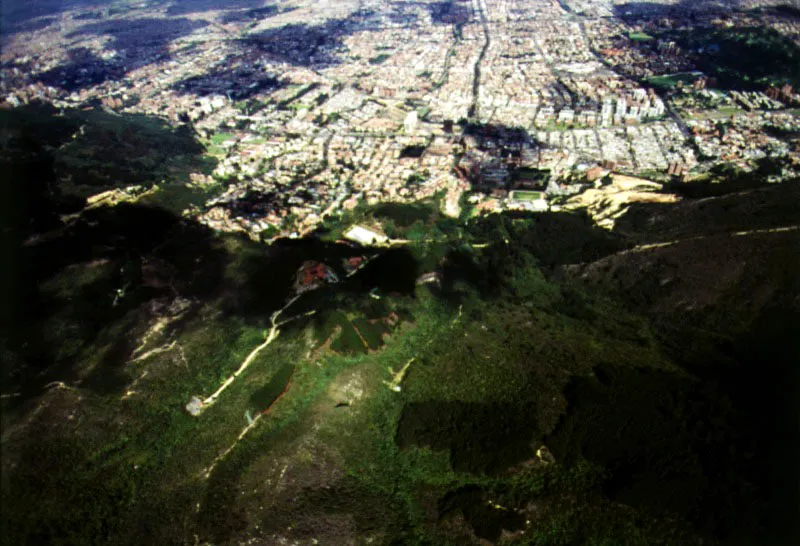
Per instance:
x=313, y=108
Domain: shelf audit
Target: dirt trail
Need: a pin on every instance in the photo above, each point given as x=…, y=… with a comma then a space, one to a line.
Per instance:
x=197, y=406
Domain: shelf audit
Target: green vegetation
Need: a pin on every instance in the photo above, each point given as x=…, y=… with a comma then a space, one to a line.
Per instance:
x=668, y=82
x=526, y=195
x=744, y=57
x=416, y=178
x=503, y=402
x=379, y=59
x=295, y=106
x=729, y=110
x=219, y=138
x=496, y=354
x=421, y=221
x=640, y=37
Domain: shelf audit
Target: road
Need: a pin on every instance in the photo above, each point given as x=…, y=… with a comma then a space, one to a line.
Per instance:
x=480, y=8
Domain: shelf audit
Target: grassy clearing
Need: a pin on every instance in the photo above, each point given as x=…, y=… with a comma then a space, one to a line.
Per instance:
x=218, y=138
x=526, y=195
x=670, y=81
x=640, y=37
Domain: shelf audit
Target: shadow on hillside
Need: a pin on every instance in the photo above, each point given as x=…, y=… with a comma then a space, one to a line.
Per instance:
x=251, y=15
x=91, y=151
x=236, y=11
x=62, y=279
x=26, y=16
x=479, y=438
x=718, y=449
x=136, y=43
x=187, y=7
x=146, y=36
x=82, y=289
x=684, y=8
x=712, y=209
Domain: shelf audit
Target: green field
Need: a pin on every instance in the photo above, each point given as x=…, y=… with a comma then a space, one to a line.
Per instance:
x=526, y=195
x=670, y=81
x=640, y=37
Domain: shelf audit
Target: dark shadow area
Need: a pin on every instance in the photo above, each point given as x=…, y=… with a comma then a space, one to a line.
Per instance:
x=87, y=152
x=494, y=156
x=412, y=152
x=406, y=13
x=26, y=16
x=53, y=159
x=263, y=398
x=501, y=135
x=305, y=45
x=395, y=271
x=31, y=25
x=242, y=76
x=671, y=445
x=268, y=275
x=685, y=8
x=553, y=239
x=254, y=204
x=743, y=57
x=236, y=78
x=719, y=452
x=317, y=508
x=692, y=9
x=766, y=386
x=61, y=280
x=117, y=259
x=712, y=209
x=718, y=447
x=136, y=34
x=449, y=12
x=141, y=41
x=475, y=505
x=786, y=10
x=481, y=438
x=254, y=15
x=186, y=7
x=137, y=42
x=84, y=69
x=236, y=11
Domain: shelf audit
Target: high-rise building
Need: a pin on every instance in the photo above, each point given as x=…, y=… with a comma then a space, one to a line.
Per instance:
x=410, y=124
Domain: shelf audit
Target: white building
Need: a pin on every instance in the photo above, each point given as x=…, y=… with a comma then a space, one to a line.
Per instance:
x=410, y=124
x=364, y=236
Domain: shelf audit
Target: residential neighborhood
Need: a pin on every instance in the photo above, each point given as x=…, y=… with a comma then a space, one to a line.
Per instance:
x=310, y=109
